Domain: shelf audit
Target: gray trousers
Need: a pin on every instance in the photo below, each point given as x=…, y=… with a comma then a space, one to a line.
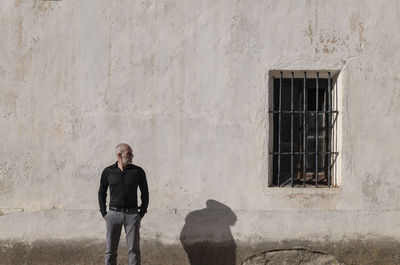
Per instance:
x=131, y=223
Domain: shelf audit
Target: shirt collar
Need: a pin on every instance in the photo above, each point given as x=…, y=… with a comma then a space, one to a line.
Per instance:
x=115, y=165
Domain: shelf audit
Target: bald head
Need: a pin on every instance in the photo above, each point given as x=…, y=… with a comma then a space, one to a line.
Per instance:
x=122, y=147
x=124, y=153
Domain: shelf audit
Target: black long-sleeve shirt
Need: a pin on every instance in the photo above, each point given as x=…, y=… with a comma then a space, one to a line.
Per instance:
x=123, y=188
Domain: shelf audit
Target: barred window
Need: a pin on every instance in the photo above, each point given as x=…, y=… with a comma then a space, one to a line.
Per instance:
x=303, y=121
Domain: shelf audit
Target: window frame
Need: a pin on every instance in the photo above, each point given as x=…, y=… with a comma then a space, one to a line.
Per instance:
x=331, y=113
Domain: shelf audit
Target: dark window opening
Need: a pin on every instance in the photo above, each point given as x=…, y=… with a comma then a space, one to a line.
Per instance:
x=302, y=122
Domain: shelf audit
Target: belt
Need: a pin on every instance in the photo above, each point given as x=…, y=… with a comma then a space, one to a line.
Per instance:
x=124, y=210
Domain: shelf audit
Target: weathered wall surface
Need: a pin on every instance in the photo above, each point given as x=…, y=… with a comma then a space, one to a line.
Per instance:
x=186, y=83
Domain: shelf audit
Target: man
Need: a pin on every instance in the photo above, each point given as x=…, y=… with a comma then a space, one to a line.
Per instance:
x=123, y=178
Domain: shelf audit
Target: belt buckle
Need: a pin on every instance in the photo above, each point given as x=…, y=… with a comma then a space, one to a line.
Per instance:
x=124, y=210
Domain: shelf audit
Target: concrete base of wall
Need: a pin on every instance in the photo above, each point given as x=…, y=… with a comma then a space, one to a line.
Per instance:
x=91, y=252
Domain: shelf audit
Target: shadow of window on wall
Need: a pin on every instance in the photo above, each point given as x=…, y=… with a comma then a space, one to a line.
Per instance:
x=206, y=236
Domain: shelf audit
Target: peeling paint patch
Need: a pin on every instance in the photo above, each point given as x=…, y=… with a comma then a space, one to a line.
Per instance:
x=325, y=201
x=328, y=39
x=6, y=178
x=5, y=211
x=67, y=122
x=357, y=28
x=309, y=32
x=43, y=7
x=370, y=189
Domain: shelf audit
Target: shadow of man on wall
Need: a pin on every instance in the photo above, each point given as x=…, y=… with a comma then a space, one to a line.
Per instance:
x=206, y=236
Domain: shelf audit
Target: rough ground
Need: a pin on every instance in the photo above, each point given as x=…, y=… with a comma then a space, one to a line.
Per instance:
x=292, y=257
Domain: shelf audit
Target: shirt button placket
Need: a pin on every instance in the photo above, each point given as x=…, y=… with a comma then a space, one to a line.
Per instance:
x=123, y=196
x=123, y=189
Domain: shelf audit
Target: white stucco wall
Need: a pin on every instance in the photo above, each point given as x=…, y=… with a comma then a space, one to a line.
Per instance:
x=186, y=83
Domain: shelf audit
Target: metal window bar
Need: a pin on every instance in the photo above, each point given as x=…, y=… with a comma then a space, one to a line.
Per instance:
x=329, y=114
x=279, y=129
x=291, y=129
x=316, y=130
x=304, y=129
x=325, y=112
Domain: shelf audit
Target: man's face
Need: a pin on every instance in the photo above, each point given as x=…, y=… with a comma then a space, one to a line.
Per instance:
x=126, y=155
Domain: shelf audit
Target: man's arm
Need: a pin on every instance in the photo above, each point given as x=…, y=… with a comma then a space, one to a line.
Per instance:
x=144, y=194
x=103, y=193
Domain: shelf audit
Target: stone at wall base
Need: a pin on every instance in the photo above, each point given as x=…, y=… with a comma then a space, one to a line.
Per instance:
x=292, y=256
